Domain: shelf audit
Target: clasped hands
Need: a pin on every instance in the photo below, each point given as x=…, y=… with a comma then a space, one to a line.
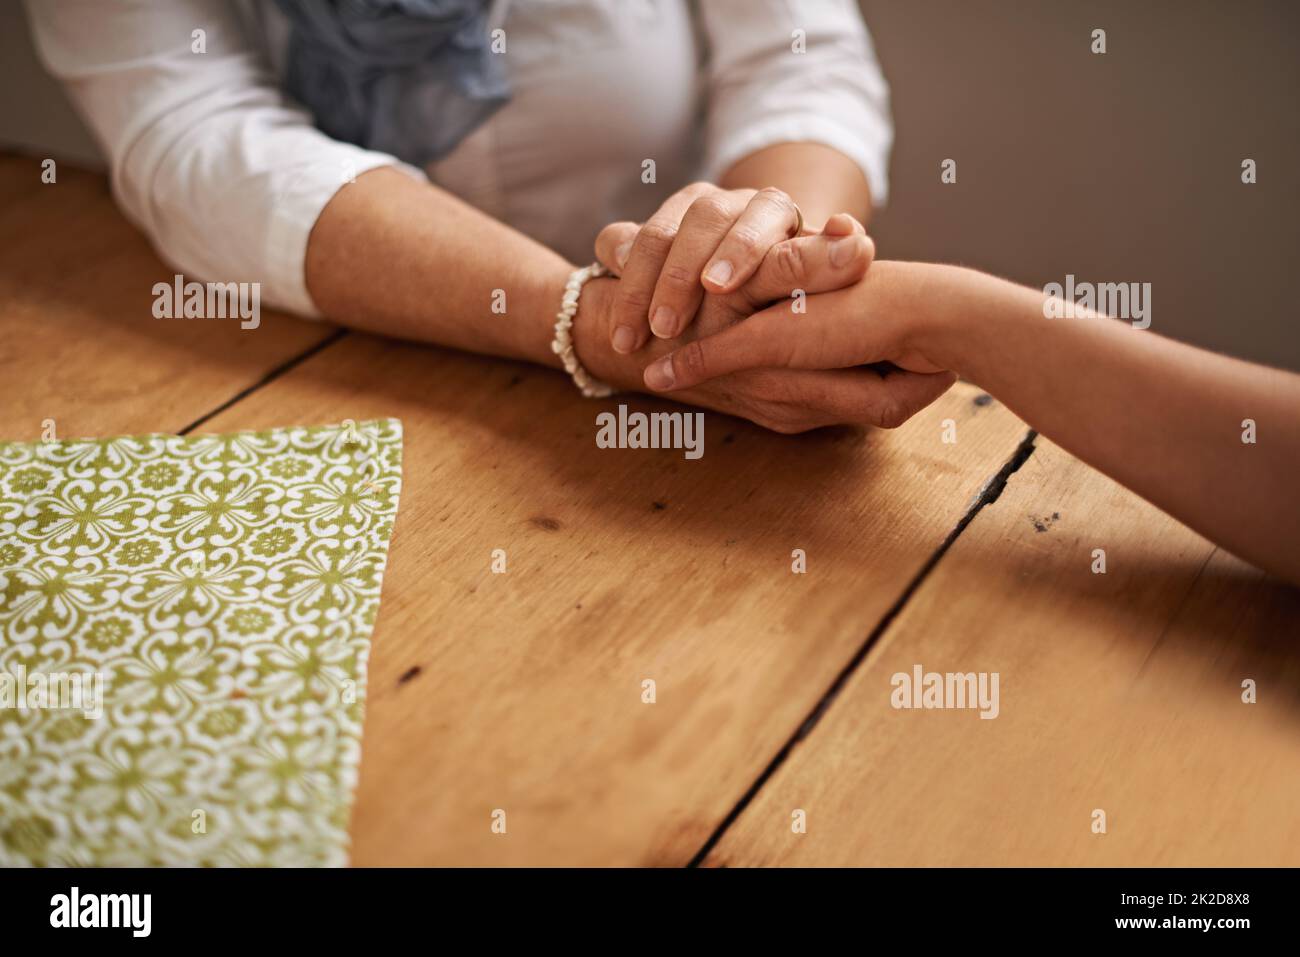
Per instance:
x=717, y=303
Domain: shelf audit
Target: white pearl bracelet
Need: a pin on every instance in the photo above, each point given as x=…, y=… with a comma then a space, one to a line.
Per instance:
x=562, y=344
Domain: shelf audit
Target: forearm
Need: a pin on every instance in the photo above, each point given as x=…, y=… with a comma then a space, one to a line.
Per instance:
x=395, y=256
x=822, y=180
x=1163, y=418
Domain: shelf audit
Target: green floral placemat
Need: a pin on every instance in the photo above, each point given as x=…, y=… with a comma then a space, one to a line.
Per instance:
x=184, y=626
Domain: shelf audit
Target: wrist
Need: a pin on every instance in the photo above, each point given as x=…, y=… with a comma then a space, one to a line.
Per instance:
x=956, y=317
x=546, y=300
x=591, y=338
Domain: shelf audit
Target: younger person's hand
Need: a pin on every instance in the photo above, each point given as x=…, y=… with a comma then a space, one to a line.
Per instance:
x=879, y=319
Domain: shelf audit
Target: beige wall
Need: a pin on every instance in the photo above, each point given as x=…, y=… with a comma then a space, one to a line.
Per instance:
x=35, y=116
x=1122, y=167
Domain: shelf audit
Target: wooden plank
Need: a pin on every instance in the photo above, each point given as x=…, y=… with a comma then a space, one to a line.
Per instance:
x=78, y=340
x=1119, y=691
x=523, y=691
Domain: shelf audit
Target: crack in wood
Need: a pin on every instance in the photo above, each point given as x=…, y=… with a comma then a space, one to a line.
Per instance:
x=988, y=493
x=267, y=379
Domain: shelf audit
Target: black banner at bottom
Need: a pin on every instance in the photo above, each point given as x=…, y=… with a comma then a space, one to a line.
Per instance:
x=335, y=908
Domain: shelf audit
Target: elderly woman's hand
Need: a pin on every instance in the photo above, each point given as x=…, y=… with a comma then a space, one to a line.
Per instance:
x=702, y=239
x=785, y=400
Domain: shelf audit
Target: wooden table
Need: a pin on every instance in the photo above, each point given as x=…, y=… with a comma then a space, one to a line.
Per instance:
x=1119, y=691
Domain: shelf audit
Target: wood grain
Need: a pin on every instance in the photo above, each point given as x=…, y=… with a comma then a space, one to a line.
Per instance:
x=78, y=340
x=523, y=691
x=1119, y=691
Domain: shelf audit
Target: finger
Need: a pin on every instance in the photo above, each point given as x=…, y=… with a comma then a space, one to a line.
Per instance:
x=614, y=244
x=631, y=310
x=767, y=220
x=842, y=224
x=890, y=400
x=678, y=292
x=811, y=264
x=746, y=345
x=827, y=336
x=851, y=396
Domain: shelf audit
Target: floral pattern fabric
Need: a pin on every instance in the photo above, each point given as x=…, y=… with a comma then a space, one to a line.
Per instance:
x=223, y=588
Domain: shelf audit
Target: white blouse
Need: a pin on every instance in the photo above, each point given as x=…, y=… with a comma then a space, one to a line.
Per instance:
x=227, y=175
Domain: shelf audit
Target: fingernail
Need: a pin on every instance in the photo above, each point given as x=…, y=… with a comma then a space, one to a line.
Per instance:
x=659, y=374
x=663, y=323
x=624, y=339
x=843, y=251
x=622, y=252
x=719, y=273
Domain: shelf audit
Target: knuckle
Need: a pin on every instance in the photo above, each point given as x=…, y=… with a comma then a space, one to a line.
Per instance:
x=712, y=209
x=890, y=413
x=778, y=197
x=693, y=362
x=746, y=238
x=789, y=264
x=633, y=300
x=658, y=235
x=676, y=277
x=698, y=188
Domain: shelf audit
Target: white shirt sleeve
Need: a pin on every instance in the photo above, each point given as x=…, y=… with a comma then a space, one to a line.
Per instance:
x=222, y=171
x=761, y=92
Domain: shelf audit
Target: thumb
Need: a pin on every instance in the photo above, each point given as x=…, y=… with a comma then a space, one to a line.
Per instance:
x=830, y=333
x=757, y=342
x=614, y=243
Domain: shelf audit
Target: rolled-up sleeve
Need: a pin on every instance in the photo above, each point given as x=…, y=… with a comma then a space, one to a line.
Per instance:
x=762, y=90
x=225, y=175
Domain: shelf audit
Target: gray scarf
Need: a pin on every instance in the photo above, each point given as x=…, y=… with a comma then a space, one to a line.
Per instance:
x=407, y=77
